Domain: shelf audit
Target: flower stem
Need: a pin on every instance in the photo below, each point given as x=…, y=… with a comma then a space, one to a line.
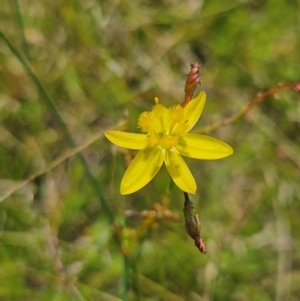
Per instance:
x=125, y=277
x=256, y=100
x=52, y=107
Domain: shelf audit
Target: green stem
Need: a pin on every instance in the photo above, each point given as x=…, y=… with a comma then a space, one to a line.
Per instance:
x=125, y=277
x=21, y=26
x=51, y=106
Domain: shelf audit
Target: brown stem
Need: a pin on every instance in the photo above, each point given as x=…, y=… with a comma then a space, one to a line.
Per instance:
x=257, y=99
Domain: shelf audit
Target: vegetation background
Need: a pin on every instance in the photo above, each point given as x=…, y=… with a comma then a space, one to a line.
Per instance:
x=70, y=69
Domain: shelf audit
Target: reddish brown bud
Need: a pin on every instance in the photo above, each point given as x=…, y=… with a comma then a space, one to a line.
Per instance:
x=297, y=87
x=192, y=224
x=200, y=244
x=191, y=83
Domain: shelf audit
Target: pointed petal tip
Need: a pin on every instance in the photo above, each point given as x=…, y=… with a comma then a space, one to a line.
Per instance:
x=201, y=95
x=126, y=190
x=230, y=150
x=107, y=134
x=192, y=190
x=123, y=192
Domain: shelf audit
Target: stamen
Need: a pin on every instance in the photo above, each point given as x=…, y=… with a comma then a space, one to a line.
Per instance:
x=177, y=113
x=172, y=127
x=144, y=122
x=177, y=116
x=162, y=125
x=158, y=112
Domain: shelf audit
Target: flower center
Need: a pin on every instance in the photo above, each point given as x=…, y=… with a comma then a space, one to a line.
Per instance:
x=163, y=126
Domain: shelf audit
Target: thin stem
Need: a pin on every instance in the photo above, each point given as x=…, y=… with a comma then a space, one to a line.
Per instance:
x=256, y=100
x=65, y=156
x=51, y=105
x=125, y=277
x=187, y=200
x=65, y=280
x=21, y=26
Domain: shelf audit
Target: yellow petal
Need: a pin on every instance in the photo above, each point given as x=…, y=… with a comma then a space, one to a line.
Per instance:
x=203, y=147
x=180, y=172
x=127, y=140
x=194, y=109
x=142, y=170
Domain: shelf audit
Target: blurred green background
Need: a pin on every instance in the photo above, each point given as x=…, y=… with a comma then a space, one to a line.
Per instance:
x=69, y=234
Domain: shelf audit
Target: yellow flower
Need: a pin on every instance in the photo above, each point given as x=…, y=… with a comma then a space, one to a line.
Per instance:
x=165, y=139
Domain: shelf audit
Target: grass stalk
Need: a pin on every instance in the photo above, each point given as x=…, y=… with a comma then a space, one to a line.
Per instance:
x=52, y=107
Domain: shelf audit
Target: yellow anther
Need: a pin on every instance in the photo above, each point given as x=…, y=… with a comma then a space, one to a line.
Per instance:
x=156, y=100
x=158, y=110
x=145, y=122
x=177, y=113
